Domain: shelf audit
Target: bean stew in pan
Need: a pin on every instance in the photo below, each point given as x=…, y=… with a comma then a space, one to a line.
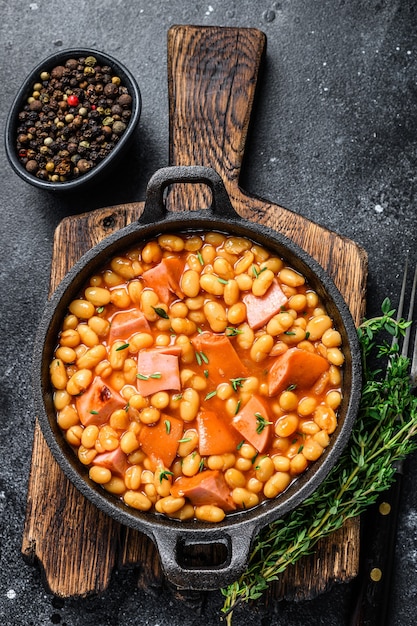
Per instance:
x=197, y=375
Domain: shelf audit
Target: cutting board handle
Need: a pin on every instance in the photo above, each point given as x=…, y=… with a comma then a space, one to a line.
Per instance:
x=155, y=206
x=212, y=77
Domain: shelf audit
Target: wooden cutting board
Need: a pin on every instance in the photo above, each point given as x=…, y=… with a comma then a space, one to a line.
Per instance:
x=212, y=77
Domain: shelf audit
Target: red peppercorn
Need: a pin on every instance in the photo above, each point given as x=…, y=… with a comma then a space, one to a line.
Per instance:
x=72, y=100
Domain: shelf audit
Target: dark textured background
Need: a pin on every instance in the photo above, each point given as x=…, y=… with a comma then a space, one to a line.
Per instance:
x=334, y=138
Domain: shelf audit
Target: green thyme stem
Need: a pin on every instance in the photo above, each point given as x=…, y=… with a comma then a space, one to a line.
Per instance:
x=383, y=434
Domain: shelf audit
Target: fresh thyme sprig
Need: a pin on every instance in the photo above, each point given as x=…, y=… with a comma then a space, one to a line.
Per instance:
x=383, y=434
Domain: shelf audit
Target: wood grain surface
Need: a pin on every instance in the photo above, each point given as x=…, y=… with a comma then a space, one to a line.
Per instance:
x=212, y=76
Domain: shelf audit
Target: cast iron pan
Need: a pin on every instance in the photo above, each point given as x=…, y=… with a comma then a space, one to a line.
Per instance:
x=238, y=530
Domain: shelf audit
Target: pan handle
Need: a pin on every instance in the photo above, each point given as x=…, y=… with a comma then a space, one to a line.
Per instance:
x=208, y=577
x=155, y=209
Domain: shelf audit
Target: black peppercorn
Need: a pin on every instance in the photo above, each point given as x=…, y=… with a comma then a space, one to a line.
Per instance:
x=42, y=174
x=84, y=166
x=72, y=64
x=110, y=90
x=32, y=166
x=125, y=100
x=58, y=71
x=116, y=109
x=35, y=105
x=72, y=148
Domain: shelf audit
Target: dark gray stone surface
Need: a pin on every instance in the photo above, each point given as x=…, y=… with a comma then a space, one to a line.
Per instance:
x=334, y=138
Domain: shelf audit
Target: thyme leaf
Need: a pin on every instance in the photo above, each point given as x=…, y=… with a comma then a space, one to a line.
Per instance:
x=201, y=358
x=237, y=383
x=164, y=475
x=122, y=347
x=161, y=312
x=156, y=375
x=261, y=423
x=231, y=331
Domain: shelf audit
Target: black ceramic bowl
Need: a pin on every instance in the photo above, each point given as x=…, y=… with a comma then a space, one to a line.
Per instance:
x=238, y=530
x=95, y=174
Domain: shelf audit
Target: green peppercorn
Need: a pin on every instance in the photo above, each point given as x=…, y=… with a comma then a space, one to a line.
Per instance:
x=91, y=61
x=119, y=127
